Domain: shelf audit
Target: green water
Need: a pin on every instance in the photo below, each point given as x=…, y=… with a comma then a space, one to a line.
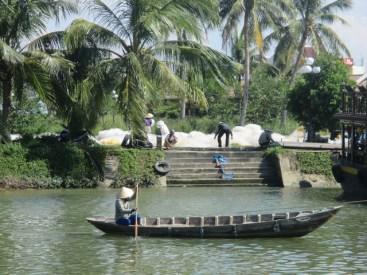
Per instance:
x=45, y=232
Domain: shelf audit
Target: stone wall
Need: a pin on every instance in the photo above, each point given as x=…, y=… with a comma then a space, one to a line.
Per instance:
x=291, y=175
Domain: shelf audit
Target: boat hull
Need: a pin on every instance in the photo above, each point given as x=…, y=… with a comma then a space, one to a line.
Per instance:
x=291, y=227
x=353, y=180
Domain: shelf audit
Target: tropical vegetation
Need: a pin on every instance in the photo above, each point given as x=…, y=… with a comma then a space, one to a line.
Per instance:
x=133, y=37
x=137, y=56
x=19, y=21
x=317, y=97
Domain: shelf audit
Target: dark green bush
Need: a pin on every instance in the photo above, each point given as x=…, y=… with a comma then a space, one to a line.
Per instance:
x=137, y=166
x=315, y=163
x=14, y=163
x=47, y=163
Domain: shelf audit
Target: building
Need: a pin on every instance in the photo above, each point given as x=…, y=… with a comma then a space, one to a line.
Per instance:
x=351, y=169
x=358, y=73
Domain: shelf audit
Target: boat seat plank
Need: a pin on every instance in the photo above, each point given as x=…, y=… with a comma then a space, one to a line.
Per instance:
x=195, y=221
x=238, y=219
x=209, y=220
x=223, y=220
x=180, y=220
x=166, y=221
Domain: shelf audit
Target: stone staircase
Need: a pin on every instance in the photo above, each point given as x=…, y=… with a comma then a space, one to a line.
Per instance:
x=194, y=167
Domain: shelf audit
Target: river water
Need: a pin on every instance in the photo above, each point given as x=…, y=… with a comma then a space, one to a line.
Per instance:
x=45, y=232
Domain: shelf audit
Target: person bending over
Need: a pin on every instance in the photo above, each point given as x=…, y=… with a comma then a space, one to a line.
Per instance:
x=222, y=129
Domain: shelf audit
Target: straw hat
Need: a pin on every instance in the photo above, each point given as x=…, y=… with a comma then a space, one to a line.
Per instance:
x=126, y=193
x=149, y=115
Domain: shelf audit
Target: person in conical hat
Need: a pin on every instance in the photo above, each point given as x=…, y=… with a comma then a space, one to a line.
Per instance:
x=127, y=194
x=149, y=123
x=122, y=207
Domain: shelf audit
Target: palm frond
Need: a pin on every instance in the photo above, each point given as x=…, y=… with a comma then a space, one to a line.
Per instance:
x=84, y=33
x=110, y=18
x=9, y=55
x=332, y=41
x=37, y=76
x=54, y=63
x=337, y=5
x=331, y=18
x=232, y=19
x=46, y=42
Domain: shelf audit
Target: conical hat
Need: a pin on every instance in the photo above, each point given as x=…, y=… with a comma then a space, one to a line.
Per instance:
x=126, y=193
x=149, y=115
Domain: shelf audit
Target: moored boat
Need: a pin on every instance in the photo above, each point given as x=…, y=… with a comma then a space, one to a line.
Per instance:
x=285, y=224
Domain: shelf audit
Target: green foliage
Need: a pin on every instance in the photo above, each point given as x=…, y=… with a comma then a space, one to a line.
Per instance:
x=19, y=66
x=223, y=105
x=267, y=96
x=316, y=97
x=137, y=167
x=319, y=163
x=204, y=124
x=147, y=66
x=274, y=151
x=50, y=164
x=277, y=127
x=14, y=163
x=110, y=117
x=67, y=160
x=28, y=119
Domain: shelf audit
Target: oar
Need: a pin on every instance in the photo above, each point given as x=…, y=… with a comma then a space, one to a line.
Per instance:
x=136, y=212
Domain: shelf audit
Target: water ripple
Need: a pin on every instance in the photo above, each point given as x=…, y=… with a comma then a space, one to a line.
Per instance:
x=45, y=232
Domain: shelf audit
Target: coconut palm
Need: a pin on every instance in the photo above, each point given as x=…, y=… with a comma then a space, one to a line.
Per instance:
x=19, y=21
x=258, y=16
x=144, y=62
x=311, y=24
x=79, y=94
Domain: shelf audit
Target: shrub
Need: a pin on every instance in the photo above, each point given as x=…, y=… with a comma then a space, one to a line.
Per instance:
x=48, y=163
x=137, y=167
x=14, y=163
x=315, y=163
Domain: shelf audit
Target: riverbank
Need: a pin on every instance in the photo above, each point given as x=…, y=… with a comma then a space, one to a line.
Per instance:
x=304, y=169
x=49, y=164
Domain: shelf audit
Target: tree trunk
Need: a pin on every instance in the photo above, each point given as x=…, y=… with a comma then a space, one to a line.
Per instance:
x=298, y=60
x=183, y=108
x=306, y=22
x=284, y=119
x=7, y=86
x=311, y=134
x=299, y=55
x=246, y=86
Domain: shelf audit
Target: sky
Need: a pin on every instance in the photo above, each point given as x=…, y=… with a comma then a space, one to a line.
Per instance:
x=353, y=35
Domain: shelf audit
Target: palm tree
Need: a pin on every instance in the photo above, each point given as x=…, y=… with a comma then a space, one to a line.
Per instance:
x=79, y=94
x=258, y=15
x=144, y=62
x=308, y=23
x=19, y=21
x=311, y=24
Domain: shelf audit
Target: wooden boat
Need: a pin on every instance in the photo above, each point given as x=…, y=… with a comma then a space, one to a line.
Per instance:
x=288, y=224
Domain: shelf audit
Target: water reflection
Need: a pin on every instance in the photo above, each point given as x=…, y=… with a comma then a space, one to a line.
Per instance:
x=45, y=232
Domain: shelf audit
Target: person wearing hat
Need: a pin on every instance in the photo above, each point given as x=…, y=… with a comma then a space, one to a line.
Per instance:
x=149, y=123
x=170, y=139
x=122, y=208
x=221, y=130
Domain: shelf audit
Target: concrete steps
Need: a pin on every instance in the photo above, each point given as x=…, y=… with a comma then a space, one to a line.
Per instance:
x=194, y=167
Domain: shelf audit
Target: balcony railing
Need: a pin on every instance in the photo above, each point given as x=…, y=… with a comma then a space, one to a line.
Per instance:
x=354, y=105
